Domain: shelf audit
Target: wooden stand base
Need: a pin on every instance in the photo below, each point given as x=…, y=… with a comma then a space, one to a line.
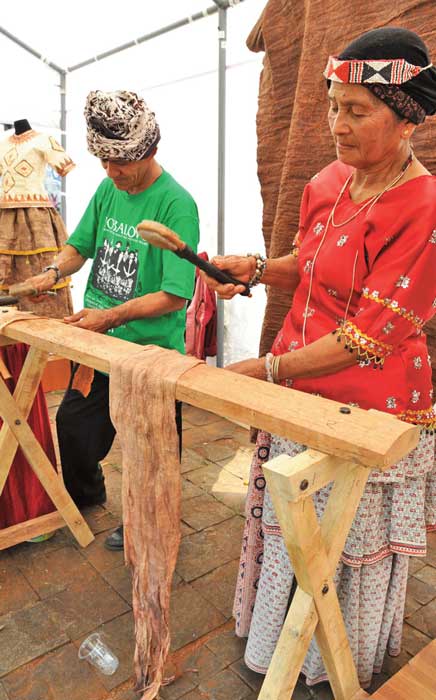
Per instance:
x=16, y=432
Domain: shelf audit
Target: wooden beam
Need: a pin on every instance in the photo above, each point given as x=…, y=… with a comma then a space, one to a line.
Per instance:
x=372, y=438
x=341, y=508
x=7, y=341
x=297, y=632
x=307, y=472
x=10, y=536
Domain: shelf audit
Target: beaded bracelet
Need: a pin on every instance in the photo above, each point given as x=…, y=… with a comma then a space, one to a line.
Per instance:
x=268, y=366
x=56, y=271
x=260, y=268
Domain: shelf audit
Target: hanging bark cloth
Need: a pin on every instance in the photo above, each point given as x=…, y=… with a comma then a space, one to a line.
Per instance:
x=142, y=405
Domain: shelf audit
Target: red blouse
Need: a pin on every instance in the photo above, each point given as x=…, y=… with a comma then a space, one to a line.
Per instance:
x=382, y=265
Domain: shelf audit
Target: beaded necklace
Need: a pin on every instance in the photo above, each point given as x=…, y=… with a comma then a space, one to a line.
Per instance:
x=373, y=200
x=369, y=203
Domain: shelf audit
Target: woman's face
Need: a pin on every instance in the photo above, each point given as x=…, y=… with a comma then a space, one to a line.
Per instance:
x=366, y=132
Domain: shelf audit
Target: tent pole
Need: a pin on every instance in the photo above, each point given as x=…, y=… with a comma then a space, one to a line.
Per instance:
x=28, y=48
x=222, y=41
x=63, y=127
x=147, y=37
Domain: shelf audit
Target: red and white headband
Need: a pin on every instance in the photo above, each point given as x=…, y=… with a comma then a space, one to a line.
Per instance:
x=385, y=71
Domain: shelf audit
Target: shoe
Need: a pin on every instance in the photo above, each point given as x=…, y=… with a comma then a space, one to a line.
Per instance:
x=115, y=541
x=42, y=538
x=89, y=502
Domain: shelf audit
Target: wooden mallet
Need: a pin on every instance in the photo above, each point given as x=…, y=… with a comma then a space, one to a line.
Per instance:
x=17, y=292
x=161, y=236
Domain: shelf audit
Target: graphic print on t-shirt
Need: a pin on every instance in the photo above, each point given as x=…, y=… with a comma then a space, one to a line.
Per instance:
x=115, y=270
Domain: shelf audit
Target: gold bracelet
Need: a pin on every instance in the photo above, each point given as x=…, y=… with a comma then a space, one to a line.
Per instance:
x=275, y=368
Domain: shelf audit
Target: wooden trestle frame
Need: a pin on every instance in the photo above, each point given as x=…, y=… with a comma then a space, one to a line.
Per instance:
x=344, y=445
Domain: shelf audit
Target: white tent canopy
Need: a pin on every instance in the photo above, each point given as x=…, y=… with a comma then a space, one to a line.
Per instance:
x=177, y=74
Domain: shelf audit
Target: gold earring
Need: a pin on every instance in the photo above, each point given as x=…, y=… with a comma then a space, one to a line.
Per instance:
x=405, y=132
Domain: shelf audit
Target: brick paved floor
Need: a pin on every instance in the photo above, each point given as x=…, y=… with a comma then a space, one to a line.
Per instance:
x=53, y=594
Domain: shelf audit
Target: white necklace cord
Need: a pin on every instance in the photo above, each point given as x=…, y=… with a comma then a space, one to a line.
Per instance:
x=352, y=286
x=311, y=275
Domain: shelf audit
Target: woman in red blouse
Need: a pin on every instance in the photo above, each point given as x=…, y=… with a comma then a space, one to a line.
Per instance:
x=362, y=270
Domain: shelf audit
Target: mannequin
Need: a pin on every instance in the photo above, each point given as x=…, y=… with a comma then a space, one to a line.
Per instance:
x=21, y=126
x=31, y=230
x=31, y=234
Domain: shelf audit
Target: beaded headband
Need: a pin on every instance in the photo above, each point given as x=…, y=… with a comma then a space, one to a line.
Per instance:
x=386, y=71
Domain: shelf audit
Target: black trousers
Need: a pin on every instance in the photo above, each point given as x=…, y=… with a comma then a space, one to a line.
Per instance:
x=85, y=435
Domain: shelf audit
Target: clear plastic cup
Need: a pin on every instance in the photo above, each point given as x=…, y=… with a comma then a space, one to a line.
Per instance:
x=94, y=650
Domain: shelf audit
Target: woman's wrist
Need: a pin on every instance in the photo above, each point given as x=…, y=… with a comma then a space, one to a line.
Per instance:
x=269, y=357
x=252, y=259
x=258, y=270
x=53, y=272
x=51, y=275
x=272, y=368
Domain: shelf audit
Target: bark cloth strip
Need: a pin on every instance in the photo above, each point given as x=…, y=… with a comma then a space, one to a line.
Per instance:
x=142, y=407
x=9, y=317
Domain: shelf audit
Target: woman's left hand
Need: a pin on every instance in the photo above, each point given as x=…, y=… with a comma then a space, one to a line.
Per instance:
x=254, y=367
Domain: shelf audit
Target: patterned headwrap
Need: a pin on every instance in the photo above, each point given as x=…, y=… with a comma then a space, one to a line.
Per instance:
x=394, y=64
x=120, y=126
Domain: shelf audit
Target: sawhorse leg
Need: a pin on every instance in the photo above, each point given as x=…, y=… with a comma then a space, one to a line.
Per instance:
x=314, y=549
x=16, y=432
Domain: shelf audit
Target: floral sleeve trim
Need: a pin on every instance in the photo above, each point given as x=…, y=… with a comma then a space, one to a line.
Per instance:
x=394, y=306
x=369, y=350
x=426, y=418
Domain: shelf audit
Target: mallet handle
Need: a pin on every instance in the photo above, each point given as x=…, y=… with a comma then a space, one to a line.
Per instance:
x=22, y=289
x=219, y=275
x=8, y=300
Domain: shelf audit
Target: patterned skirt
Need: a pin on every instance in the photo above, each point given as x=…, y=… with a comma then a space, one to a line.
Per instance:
x=390, y=525
x=30, y=239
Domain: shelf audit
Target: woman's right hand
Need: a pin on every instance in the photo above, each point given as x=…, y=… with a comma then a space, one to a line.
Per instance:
x=242, y=267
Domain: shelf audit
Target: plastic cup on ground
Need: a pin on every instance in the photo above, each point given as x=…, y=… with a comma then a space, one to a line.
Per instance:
x=94, y=650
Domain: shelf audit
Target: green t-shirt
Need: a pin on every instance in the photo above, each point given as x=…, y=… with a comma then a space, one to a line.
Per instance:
x=125, y=266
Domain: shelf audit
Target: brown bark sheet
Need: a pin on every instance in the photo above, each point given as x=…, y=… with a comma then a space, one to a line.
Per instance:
x=293, y=137
x=142, y=405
